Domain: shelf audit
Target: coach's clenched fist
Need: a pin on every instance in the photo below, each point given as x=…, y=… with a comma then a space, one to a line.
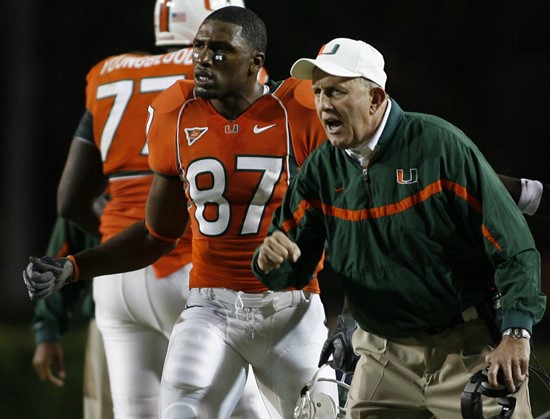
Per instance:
x=275, y=250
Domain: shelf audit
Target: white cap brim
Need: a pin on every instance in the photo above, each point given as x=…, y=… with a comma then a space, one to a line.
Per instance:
x=303, y=69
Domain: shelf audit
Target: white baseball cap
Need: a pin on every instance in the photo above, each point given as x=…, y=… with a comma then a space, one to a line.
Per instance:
x=344, y=57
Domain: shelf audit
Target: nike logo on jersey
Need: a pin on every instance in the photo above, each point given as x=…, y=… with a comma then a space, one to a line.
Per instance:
x=258, y=130
x=413, y=176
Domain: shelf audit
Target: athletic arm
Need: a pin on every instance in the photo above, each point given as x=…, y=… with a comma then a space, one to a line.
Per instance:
x=82, y=180
x=144, y=242
x=53, y=315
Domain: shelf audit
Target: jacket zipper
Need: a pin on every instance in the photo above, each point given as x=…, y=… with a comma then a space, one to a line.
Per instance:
x=366, y=180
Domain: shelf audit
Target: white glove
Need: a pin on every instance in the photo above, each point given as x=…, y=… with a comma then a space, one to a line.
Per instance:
x=45, y=275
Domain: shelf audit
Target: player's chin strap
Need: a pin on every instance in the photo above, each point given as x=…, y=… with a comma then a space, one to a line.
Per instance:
x=471, y=402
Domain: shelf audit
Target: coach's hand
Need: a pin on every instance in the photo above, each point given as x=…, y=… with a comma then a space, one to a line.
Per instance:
x=511, y=359
x=339, y=346
x=275, y=250
x=45, y=275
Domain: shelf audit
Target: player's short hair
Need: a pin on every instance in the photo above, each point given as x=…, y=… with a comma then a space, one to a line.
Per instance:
x=253, y=27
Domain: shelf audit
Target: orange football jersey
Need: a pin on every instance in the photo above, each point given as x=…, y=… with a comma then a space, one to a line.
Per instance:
x=118, y=93
x=235, y=172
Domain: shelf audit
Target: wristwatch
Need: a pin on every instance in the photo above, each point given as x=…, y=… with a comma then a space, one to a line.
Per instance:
x=517, y=333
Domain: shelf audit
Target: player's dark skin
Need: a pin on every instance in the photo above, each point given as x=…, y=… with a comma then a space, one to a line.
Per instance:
x=166, y=209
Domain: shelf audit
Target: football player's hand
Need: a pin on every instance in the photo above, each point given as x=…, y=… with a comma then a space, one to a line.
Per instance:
x=339, y=346
x=44, y=275
x=45, y=354
x=275, y=250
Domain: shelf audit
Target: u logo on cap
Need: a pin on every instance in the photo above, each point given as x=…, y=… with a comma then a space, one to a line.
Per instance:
x=331, y=52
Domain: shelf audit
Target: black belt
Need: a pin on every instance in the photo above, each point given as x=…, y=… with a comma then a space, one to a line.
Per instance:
x=467, y=315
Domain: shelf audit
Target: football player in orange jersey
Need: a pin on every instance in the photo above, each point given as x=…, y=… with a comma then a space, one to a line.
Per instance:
x=225, y=152
x=232, y=145
x=109, y=148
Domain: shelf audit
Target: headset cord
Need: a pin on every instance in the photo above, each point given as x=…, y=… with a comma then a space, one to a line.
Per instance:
x=538, y=370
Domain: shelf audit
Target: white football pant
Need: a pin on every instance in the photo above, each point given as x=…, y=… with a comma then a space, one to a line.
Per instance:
x=223, y=332
x=135, y=312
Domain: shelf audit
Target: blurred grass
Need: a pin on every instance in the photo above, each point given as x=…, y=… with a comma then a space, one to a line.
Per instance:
x=24, y=396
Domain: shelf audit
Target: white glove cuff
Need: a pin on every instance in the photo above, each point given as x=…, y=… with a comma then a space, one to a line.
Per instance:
x=531, y=193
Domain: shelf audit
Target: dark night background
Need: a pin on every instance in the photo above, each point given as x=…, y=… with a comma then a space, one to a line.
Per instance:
x=483, y=66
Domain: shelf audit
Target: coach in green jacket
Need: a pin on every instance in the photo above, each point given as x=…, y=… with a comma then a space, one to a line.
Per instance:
x=420, y=230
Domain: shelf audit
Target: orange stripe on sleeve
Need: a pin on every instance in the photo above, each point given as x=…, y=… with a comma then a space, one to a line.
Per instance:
x=463, y=193
x=299, y=213
x=489, y=236
x=159, y=236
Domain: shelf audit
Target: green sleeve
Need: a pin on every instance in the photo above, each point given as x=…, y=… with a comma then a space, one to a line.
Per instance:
x=306, y=230
x=53, y=314
x=507, y=241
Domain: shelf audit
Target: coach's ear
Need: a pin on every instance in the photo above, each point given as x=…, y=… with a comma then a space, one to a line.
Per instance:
x=378, y=98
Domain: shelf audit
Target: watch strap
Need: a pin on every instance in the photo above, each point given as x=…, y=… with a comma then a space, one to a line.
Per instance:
x=517, y=333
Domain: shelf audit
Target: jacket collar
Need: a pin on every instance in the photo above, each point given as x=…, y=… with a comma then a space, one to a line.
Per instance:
x=394, y=119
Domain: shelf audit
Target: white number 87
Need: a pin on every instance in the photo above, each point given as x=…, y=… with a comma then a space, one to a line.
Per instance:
x=270, y=168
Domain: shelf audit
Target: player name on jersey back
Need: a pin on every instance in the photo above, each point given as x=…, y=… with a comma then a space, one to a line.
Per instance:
x=182, y=57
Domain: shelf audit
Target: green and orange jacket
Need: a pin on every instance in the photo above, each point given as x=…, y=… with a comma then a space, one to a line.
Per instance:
x=418, y=236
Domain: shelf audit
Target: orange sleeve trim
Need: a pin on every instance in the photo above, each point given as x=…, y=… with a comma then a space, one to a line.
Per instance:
x=386, y=210
x=76, y=273
x=159, y=236
x=463, y=193
x=490, y=237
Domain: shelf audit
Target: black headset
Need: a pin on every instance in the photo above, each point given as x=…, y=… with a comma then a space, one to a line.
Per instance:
x=471, y=402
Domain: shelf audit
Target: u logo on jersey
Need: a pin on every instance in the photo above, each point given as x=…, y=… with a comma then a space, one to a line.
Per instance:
x=231, y=129
x=413, y=176
x=193, y=134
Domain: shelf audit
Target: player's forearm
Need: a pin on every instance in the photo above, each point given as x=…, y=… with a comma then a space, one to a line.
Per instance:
x=88, y=222
x=80, y=209
x=132, y=249
x=513, y=185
